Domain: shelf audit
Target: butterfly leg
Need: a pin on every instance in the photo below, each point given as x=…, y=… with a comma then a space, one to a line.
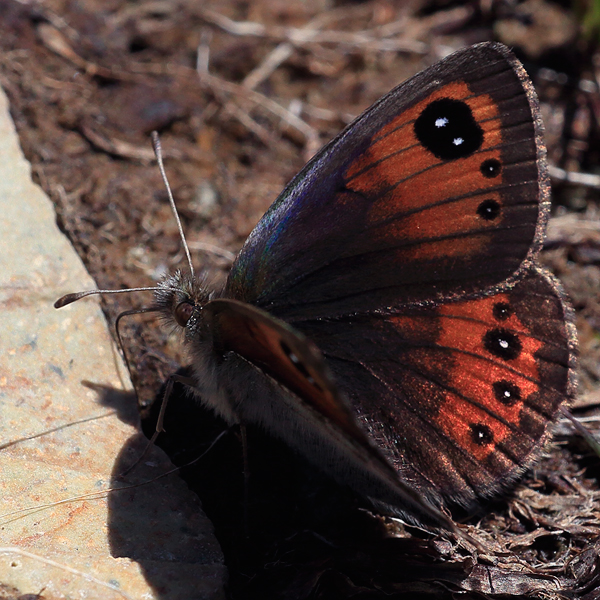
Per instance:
x=159, y=423
x=163, y=407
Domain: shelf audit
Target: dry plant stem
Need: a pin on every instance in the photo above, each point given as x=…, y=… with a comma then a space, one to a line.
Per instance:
x=229, y=106
x=260, y=100
x=117, y=147
x=368, y=39
x=569, y=229
x=262, y=133
x=585, y=433
x=203, y=51
x=271, y=62
x=56, y=42
x=282, y=52
x=586, y=179
x=212, y=249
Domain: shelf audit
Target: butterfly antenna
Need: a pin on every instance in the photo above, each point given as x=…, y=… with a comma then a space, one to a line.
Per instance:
x=158, y=152
x=70, y=298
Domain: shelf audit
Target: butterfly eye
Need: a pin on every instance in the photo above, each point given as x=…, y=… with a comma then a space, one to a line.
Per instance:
x=182, y=313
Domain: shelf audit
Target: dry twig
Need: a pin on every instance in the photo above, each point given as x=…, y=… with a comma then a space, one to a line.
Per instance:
x=368, y=39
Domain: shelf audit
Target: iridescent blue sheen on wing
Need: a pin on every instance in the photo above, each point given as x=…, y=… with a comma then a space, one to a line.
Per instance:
x=284, y=245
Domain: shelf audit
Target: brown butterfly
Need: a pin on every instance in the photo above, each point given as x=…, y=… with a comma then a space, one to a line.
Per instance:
x=387, y=317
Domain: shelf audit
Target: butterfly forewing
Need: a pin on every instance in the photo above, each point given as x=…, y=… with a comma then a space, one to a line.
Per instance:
x=436, y=191
x=281, y=353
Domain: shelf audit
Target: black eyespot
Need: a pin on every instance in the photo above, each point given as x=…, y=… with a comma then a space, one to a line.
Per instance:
x=502, y=311
x=502, y=343
x=490, y=168
x=506, y=392
x=182, y=313
x=447, y=128
x=295, y=360
x=488, y=210
x=481, y=434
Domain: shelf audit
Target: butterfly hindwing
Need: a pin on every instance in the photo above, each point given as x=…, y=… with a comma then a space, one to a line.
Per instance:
x=459, y=397
x=438, y=190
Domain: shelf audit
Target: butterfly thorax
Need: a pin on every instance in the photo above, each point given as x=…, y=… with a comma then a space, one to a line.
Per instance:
x=182, y=299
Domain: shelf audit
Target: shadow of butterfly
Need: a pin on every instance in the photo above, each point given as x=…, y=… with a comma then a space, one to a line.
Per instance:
x=386, y=317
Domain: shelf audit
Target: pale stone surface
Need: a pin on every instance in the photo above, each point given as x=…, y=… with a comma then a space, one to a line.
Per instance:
x=151, y=541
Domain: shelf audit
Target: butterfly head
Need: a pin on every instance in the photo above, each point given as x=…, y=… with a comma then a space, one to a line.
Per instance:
x=180, y=298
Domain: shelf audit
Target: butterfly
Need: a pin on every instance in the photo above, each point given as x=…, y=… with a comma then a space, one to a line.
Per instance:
x=387, y=317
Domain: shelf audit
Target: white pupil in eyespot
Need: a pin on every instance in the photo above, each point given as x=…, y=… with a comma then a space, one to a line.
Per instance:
x=503, y=344
x=441, y=122
x=458, y=141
